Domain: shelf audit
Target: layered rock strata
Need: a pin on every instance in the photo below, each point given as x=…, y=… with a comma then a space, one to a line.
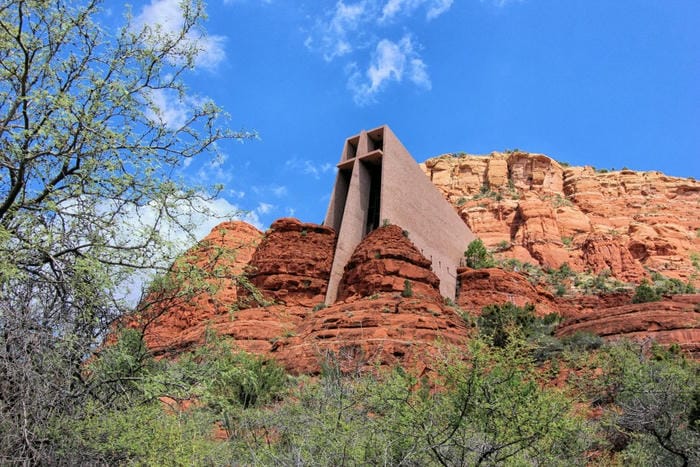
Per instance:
x=391, y=313
x=674, y=320
x=387, y=261
x=291, y=265
x=537, y=210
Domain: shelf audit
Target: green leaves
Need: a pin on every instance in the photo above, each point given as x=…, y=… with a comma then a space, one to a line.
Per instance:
x=477, y=256
x=87, y=191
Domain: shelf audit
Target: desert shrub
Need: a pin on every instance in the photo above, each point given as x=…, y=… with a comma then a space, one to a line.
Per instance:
x=655, y=404
x=645, y=293
x=498, y=323
x=582, y=341
x=477, y=256
x=407, y=289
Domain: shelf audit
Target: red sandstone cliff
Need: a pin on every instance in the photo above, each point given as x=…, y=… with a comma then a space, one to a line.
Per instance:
x=540, y=211
x=207, y=292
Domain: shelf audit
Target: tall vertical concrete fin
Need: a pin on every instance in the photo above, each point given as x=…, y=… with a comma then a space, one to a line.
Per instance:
x=378, y=181
x=413, y=202
x=351, y=226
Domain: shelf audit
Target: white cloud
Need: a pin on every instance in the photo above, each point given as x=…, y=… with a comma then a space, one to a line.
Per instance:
x=390, y=62
x=167, y=108
x=308, y=167
x=264, y=208
x=338, y=32
x=501, y=3
x=201, y=216
x=278, y=191
x=394, y=8
x=438, y=7
x=165, y=17
x=350, y=29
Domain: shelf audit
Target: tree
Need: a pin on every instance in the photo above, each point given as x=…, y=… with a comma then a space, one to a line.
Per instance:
x=656, y=403
x=86, y=158
x=477, y=256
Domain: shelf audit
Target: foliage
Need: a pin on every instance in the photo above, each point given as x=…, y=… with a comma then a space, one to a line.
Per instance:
x=498, y=323
x=645, y=293
x=483, y=405
x=86, y=190
x=477, y=256
x=655, y=403
x=487, y=412
x=582, y=341
x=145, y=435
x=407, y=289
x=134, y=425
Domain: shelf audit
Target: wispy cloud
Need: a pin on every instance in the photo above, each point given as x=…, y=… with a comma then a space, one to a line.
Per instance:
x=264, y=208
x=165, y=17
x=200, y=214
x=363, y=31
x=278, y=191
x=394, y=8
x=501, y=3
x=392, y=61
x=342, y=30
x=167, y=108
x=308, y=167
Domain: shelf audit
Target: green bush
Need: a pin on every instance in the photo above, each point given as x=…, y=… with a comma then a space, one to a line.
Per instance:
x=499, y=322
x=407, y=289
x=645, y=293
x=582, y=341
x=477, y=256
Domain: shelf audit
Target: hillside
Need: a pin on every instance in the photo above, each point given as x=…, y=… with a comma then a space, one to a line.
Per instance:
x=573, y=343
x=569, y=240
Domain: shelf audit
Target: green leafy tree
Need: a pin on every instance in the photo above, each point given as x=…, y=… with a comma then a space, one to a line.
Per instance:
x=655, y=403
x=86, y=159
x=498, y=323
x=477, y=256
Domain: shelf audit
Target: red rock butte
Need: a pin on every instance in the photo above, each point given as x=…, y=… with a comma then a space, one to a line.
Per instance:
x=369, y=285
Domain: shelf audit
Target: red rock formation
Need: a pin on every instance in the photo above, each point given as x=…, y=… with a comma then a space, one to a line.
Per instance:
x=527, y=205
x=601, y=252
x=547, y=213
x=481, y=287
x=383, y=262
x=672, y=321
x=252, y=330
x=363, y=333
x=380, y=321
x=208, y=289
x=292, y=264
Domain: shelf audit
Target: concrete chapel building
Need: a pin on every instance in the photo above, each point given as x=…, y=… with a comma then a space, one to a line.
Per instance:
x=378, y=181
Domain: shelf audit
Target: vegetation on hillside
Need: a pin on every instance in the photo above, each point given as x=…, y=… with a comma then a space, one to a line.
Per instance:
x=515, y=396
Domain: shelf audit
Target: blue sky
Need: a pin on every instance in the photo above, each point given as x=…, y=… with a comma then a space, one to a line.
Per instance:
x=608, y=83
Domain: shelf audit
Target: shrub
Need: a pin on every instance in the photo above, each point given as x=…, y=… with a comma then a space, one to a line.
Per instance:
x=477, y=256
x=407, y=289
x=582, y=340
x=503, y=245
x=645, y=293
x=499, y=322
